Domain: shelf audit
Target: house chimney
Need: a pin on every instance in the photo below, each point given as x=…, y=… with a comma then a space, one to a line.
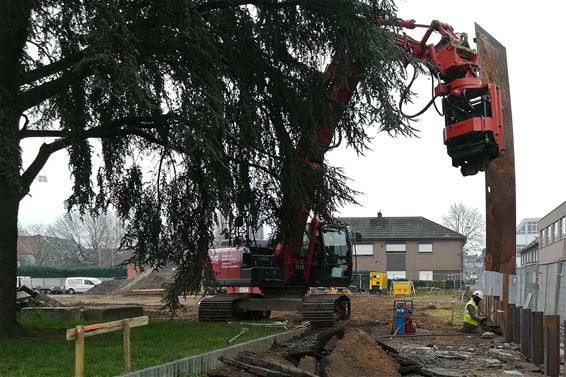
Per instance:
x=379, y=215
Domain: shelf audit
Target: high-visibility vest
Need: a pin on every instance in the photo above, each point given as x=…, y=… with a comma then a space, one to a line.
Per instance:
x=467, y=317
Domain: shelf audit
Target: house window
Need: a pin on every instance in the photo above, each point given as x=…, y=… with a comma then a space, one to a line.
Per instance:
x=425, y=275
x=364, y=249
x=563, y=227
x=425, y=248
x=549, y=238
x=543, y=237
x=395, y=247
x=532, y=227
x=557, y=230
x=396, y=274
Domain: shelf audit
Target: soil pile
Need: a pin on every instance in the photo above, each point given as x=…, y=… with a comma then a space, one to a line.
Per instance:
x=157, y=279
x=357, y=354
x=107, y=287
x=341, y=351
x=145, y=280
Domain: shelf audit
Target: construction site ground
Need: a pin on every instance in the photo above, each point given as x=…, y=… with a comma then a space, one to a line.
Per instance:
x=437, y=341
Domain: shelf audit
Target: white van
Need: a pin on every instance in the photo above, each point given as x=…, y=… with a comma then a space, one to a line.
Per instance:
x=80, y=285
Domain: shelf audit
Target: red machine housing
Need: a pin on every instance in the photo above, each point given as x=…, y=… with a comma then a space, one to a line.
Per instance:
x=473, y=132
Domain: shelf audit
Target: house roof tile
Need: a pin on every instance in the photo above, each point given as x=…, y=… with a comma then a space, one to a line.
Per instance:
x=399, y=228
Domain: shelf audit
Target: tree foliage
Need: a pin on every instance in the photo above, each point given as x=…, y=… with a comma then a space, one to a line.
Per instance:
x=201, y=106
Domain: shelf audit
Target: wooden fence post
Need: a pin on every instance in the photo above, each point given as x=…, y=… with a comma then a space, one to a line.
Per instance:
x=79, y=333
x=80, y=352
x=127, y=354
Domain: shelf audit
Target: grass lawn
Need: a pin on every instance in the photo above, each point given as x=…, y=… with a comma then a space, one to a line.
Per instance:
x=445, y=315
x=46, y=353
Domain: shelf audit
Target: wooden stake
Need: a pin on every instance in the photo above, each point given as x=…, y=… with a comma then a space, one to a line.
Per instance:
x=452, y=318
x=127, y=354
x=79, y=352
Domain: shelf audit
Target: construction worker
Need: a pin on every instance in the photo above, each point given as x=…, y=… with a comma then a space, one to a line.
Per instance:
x=472, y=317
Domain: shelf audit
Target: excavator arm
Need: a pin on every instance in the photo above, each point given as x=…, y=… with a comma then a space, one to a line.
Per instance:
x=472, y=112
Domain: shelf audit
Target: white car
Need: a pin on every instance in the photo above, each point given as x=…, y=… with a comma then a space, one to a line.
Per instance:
x=80, y=285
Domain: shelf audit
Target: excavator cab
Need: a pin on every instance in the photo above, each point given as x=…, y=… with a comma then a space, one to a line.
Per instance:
x=333, y=266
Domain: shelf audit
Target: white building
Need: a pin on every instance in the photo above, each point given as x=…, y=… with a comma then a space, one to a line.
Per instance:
x=527, y=231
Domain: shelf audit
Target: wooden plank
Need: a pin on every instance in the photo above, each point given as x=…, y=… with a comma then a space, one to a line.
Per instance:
x=79, y=352
x=102, y=328
x=127, y=355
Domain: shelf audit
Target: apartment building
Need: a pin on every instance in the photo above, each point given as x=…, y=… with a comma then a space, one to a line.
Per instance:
x=552, y=239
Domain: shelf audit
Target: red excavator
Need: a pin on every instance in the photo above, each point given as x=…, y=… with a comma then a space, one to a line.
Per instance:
x=278, y=277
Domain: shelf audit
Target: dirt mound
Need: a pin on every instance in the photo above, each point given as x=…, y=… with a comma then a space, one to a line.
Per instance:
x=107, y=287
x=155, y=280
x=357, y=354
x=145, y=280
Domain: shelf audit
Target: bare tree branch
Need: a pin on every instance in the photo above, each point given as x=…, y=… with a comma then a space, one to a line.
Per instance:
x=53, y=68
x=36, y=95
x=468, y=222
x=24, y=133
x=47, y=149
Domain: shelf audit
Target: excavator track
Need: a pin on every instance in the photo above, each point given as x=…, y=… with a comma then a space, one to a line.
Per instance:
x=325, y=310
x=219, y=308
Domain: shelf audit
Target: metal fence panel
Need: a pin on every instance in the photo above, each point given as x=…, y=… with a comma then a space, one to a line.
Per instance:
x=562, y=292
x=541, y=297
x=491, y=283
x=513, y=290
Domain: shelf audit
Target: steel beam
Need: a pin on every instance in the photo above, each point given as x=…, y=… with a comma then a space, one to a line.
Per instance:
x=517, y=325
x=509, y=329
x=537, y=338
x=526, y=333
x=500, y=174
x=506, y=325
x=552, y=345
x=500, y=202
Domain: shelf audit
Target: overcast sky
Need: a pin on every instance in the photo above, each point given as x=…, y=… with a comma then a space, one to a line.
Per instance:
x=414, y=177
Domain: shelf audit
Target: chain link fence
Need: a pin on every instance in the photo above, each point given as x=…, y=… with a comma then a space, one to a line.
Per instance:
x=442, y=281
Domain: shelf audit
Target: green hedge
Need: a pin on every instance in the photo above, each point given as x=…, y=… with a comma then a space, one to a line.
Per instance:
x=63, y=272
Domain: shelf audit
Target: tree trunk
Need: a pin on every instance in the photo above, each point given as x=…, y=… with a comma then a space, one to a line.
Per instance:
x=14, y=29
x=9, y=204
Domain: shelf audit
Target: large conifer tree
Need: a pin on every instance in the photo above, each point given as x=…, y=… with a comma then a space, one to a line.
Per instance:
x=216, y=96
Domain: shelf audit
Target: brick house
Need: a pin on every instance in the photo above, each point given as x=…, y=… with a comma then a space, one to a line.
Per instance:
x=407, y=247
